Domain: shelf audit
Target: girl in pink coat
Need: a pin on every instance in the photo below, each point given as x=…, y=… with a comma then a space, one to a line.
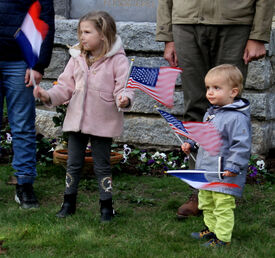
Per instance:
x=93, y=83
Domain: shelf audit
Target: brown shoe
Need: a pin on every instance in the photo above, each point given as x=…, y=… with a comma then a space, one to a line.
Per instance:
x=190, y=208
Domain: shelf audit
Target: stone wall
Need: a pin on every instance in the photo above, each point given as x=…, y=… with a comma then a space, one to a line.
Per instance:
x=143, y=125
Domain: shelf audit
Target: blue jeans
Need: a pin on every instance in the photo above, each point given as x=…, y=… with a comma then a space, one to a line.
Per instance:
x=21, y=115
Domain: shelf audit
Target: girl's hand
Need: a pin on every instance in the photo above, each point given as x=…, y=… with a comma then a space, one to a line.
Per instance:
x=186, y=147
x=123, y=101
x=41, y=94
x=229, y=174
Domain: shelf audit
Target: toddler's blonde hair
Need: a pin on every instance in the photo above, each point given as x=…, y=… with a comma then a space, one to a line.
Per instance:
x=231, y=73
x=104, y=24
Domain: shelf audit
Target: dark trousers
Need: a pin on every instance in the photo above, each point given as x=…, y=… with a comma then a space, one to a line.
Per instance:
x=101, y=149
x=201, y=47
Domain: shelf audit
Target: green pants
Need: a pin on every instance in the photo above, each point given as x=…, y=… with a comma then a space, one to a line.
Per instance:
x=218, y=213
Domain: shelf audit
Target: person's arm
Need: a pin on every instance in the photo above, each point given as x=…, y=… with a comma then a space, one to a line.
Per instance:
x=66, y=85
x=260, y=31
x=124, y=97
x=254, y=50
x=170, y=54
x=36, y=75
x=239, y=140
x=164, y=21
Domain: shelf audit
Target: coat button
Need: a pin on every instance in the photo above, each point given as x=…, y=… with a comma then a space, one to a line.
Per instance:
x=201, y=18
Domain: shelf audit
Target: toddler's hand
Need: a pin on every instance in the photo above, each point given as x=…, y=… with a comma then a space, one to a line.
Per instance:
x=41, y=94
x=123, y=101
x=229, y=174
x=185, y=147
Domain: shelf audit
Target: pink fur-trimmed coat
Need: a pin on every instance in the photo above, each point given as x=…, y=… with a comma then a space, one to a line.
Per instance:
x=93, y=93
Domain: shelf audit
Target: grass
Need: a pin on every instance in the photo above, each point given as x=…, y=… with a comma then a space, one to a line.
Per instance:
x=145, y=226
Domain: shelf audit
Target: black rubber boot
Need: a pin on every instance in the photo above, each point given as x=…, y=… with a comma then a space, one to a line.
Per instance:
x=25, y=196
x=106, y=210
x=68, y=206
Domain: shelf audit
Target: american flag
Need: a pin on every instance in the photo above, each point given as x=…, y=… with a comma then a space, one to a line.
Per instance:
x=204, y=133
x=159, y=83
x=176, y=124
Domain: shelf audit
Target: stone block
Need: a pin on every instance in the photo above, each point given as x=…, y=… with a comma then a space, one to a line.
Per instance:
x=152, y=131
x=138, y=36
x=59, y=60
x=145, y=104
x=262, y=136
x=259, y=75
x=121, y=10
x=65, y=32
x=262, y=105
x=61, y=7
x=44, y=124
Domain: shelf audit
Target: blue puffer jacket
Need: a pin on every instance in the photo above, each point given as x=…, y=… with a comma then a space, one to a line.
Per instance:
x=233, y=123
x=12, y=14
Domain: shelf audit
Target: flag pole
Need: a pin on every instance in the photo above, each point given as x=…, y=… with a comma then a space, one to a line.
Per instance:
x=179, y=138
x=32, y=78
x=193, y=171
x=128, y=75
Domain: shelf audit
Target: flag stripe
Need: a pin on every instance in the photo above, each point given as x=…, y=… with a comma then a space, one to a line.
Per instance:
x=31, y=34
x=30, y=57
x=162, y=89
x=203, y=133
x=40, y=25
x=198, y=181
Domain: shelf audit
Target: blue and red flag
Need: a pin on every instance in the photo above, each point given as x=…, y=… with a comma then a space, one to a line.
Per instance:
x=203, y=133
x=31, y=34
x=197, y=179
x=159, y=83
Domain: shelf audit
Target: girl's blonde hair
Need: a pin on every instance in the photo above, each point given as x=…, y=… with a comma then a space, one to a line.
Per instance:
x=105, y=25
x=231, y=73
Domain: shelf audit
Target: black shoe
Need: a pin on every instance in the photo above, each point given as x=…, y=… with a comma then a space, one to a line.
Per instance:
x=26, y=197
x=106, y=210
x=68, y=206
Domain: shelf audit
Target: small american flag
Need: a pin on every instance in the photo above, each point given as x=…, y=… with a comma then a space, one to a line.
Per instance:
x=204, y=133
x=159, y=83
x=176, y=124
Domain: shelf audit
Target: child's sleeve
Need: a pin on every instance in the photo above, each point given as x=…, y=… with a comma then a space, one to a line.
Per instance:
x=63, y=90
x=121, y=72
x=239, y=137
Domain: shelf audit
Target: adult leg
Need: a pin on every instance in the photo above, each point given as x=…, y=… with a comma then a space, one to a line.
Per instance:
x=230, y=42
x=1, y=104
x=21, y=115
x=194, y=59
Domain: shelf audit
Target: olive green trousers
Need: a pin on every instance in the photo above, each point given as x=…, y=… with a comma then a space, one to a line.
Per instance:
x=201, y=47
